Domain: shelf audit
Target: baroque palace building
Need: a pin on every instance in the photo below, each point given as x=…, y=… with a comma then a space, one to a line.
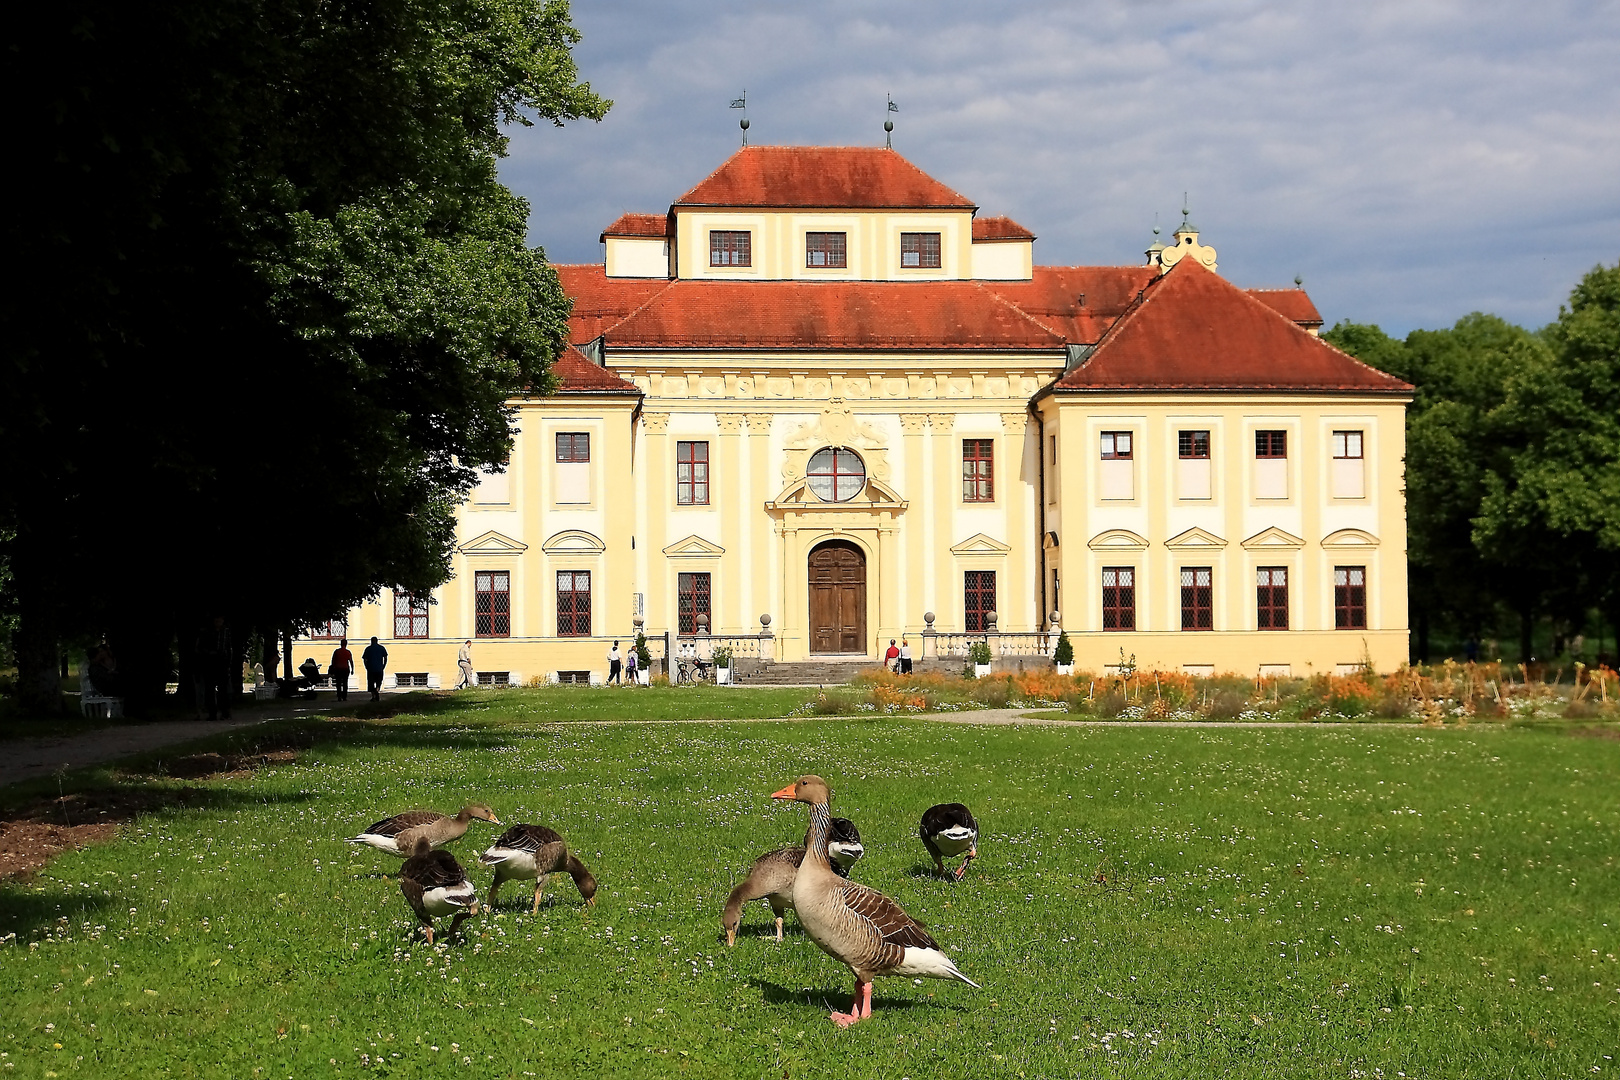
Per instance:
x=820, y=403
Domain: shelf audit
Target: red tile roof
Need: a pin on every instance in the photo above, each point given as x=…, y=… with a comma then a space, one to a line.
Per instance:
x=999, y=228
x=653, y=225
x=1077, y=302
x=831, y=315
x=1194, y=330
x=576, y=374
x=860, y=177
x=601, y=301
x=1291, y=304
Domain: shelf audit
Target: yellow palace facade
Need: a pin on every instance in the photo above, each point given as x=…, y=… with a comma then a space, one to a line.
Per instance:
x=820, y=404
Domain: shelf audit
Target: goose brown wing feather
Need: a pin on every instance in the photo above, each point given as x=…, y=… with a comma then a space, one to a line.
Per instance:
x=889, y=919
x=434, y=870
x=411, y=819
x=528, y=838
x=413, y=896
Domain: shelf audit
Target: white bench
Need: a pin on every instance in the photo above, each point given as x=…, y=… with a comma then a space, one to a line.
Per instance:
x=97, y=705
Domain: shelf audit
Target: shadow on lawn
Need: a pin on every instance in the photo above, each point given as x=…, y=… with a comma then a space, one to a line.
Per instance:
x=22, y=912
x=838, y=998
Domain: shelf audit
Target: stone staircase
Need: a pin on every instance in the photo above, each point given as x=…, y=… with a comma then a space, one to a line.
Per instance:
x=799, y=673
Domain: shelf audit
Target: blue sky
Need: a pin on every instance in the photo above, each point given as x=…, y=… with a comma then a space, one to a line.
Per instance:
x=1413, y=161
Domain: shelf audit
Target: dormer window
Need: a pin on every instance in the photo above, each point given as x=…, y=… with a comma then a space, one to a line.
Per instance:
x=919, y=249
x=730, y=248
x=825, y=249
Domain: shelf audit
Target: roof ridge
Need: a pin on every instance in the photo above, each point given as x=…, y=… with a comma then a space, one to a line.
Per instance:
x=982, y=287
x=654, y=295
x=1131, y=309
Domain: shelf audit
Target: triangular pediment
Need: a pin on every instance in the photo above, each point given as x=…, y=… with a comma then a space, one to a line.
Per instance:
x=493, y=543
x=694, y=547
x=980, y=545
x=1349, y=538
x=1117, y=540
x=573, y=542
x=1273, y=538
x=875, y=495
x=1195, y=539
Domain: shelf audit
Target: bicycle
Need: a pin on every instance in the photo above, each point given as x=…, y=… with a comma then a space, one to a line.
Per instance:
x=692, y=672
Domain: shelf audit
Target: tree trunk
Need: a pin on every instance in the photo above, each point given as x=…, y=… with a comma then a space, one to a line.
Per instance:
x=39, y=678
x=1527, y=626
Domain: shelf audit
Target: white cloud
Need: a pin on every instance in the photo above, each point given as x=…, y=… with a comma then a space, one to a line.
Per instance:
x=1413, y=161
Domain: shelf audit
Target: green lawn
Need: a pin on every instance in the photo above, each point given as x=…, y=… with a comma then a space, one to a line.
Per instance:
x=1311, y=901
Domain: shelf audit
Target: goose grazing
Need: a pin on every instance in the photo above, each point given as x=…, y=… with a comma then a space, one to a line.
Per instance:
x=534, y=851
x=853, y=924
x=397, y=835
x=771, y=876
x=947, y=830
x=435, y=885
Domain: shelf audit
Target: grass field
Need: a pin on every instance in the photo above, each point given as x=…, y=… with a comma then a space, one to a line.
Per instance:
x=1311, y=901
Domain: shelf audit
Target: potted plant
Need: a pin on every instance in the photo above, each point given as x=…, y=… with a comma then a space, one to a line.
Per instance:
x=643, y=660
x=722, y=666
x=1063, y=655
x=979, y=657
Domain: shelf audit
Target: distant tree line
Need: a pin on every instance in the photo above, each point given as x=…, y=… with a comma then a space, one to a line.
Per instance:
x=267, y=304
x=1512, y=473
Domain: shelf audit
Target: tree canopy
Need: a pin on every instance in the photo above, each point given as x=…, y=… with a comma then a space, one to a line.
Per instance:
x=273, y=299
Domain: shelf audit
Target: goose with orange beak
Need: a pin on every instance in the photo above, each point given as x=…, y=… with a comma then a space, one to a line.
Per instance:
x=856, y=925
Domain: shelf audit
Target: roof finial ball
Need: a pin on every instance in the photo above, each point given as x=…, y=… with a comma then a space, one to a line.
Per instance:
x=742, y=103
x=888, y=125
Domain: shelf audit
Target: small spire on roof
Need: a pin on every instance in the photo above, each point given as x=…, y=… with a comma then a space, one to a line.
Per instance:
x=888, y=125
x=742, y=103
x=1157, y=246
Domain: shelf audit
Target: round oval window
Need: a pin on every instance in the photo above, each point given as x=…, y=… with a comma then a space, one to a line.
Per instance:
x=836, y=474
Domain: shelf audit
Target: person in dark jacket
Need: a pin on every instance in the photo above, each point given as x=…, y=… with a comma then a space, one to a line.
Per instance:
x=216, y=664
x=375, y=658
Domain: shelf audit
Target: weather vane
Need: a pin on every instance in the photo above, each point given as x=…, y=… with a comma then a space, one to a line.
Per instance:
x=742, y=103
x=888, y=125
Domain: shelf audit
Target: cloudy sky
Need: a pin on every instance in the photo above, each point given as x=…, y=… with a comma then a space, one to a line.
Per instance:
x=1412, y=161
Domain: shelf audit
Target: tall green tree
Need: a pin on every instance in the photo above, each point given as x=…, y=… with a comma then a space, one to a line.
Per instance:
x=269, y=300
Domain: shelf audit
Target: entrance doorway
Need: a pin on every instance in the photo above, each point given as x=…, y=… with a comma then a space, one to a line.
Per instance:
x=837, y=598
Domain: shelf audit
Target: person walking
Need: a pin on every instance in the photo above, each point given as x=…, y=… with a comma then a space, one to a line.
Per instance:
x=342, y=665
x=615, y=665
x=891, y=659
x=905, y=657
x=376, y=660
x=216, y=655
x=464, y=662
x=631, y=660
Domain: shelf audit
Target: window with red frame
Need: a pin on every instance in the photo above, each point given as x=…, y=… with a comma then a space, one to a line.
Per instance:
x=1271, y=444
x=692, y=600
x=919, y=249
x=825, y=249
x=1271, y=598
x=573, y=603
x=1197, y=598
x=1192, y=445
x=410, y=616
x=1349, y=597
x=1119, y=597
x=978, y=470
x=692, y=473
x=329, y=630
x=978, y=599
x=573, y=447
x=492, y=603
x=1116, y=446
x=730, y=248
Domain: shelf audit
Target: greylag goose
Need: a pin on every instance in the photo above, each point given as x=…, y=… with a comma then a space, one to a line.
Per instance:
x=534, y=851
x=435, y=885
x=853, y=924
x=771, y=876
x=947, y=830
x=397, y=835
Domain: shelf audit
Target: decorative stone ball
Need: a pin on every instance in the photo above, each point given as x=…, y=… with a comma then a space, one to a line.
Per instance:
x=1057, y=617
x=928, y=617
x=702, y=622
x=991, y=617
x=638, y=623
x=764, y=620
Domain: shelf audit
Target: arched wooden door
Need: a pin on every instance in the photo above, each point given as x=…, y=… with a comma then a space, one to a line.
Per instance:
x=837, y=598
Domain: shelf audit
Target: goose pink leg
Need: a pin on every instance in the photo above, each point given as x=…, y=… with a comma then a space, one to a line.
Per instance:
x=860, y=1006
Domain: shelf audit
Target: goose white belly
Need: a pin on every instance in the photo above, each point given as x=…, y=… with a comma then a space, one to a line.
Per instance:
x=955, y=840
x=929, y=964
x=510, y=862
x=448, y=899
x=386, y=844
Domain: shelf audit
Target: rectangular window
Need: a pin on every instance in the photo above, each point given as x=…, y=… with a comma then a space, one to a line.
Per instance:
x=978, y=470
x=330, y=630
x=573, y=603
x=919, y=249
x=410, y=616
x=1349, y=481
x=1271, y=444
x=825, y=249
x=1349, y=597
x=1271, y=598
x=978, y=599
x=1192, y=445
x=692, y=591
x=729, y=248
x=1271, y=464
x=492, y=603
x=692, y=473
x=1197, y=598
x=1051, y=449
x=573, y=447
x=1194, y=477
x=1116, y=446
x=1119, y=598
